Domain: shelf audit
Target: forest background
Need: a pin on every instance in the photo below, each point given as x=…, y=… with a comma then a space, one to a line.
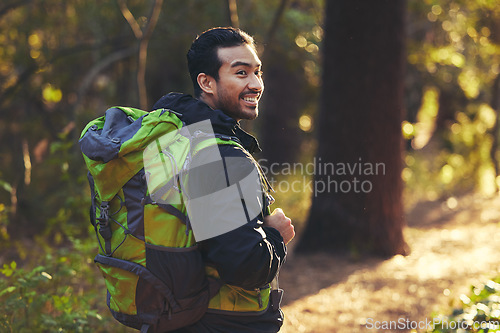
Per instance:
x=63, y=64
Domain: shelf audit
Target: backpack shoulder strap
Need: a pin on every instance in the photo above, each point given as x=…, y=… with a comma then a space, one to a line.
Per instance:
x=219, y=140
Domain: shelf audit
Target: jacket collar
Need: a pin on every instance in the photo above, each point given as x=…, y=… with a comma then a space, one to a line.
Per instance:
x=193, y=110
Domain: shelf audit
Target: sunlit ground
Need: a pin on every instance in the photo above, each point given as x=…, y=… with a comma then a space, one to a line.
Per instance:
x=452, y=249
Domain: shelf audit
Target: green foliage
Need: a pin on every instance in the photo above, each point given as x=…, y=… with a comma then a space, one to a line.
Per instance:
x=463, y=164
x=64, y=292
x=454, y=59
x=479, y=313
x=452, y=44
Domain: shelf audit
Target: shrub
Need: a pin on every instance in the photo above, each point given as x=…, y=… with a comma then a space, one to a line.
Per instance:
x=64, y=293
x=480, y=311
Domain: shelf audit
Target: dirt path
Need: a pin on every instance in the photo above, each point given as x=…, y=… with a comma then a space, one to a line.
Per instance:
x=451, y=249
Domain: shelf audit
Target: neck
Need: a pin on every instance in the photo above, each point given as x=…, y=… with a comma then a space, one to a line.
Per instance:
x=207, y=100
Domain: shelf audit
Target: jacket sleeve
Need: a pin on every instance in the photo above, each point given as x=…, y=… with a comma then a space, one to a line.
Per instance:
x=250, y=255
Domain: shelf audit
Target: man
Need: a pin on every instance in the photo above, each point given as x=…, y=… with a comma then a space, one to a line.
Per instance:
x=247, y=255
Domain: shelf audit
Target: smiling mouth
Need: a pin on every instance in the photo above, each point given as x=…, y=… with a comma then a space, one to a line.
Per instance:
x=252, y=100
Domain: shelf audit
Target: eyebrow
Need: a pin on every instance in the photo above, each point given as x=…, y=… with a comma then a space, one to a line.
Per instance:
x=242, y=63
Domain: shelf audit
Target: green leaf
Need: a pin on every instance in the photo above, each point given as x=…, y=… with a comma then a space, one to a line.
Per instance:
x=8, y=270
x=7, y=290
x=6, y=186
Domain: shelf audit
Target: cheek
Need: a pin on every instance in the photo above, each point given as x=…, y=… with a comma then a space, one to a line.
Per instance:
x=232, y=91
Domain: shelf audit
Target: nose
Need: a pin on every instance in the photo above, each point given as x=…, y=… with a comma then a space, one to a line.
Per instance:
x=256, y=83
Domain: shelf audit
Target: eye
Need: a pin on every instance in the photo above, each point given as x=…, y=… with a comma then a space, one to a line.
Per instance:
x=241, y=72
x=259, y=73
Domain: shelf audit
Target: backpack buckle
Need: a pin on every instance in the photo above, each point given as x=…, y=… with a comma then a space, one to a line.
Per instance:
x=224, y=137
x=104, y=227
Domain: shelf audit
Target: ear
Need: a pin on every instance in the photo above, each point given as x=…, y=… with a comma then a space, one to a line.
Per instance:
x=206, y=83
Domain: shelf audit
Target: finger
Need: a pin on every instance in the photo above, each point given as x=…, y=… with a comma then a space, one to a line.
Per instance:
x=289, y=235
x=279, y=212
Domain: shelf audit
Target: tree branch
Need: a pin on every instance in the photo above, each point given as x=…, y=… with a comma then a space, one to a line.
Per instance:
x=10, y=6
x=33, y=68
x=232, y=12
x=153, y=19
x=276, y=20
x=132, y=22
x=143, y=37
x=274, y=25
x=100, y=66
x=143, y=53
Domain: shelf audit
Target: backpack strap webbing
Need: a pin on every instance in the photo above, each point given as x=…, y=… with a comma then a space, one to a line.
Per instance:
x=104, y=227
x=220, y=140
x=92, y=198
x=167, y=207
x=174, y=211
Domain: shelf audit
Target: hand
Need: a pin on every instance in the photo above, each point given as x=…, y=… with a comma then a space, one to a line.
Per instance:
x=280, y=222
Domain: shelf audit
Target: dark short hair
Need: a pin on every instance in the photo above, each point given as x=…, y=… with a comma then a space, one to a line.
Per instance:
x=202, y=57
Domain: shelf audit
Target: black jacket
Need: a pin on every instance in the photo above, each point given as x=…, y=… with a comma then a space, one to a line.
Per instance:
x=251, y=255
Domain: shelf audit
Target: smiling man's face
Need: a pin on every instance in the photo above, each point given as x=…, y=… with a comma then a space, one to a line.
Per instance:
x=238, y=90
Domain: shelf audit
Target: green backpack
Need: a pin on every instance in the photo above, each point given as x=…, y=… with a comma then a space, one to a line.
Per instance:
x=148, y=256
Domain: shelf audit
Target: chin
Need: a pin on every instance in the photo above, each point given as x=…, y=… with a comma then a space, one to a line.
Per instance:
x=244, y=115
x=252, y=115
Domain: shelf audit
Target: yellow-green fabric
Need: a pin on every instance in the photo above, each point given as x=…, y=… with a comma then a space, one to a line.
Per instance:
x=165, y=229
x=121, y=284
x=235, y=299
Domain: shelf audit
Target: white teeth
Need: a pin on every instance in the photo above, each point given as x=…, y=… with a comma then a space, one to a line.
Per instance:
x=250, y=99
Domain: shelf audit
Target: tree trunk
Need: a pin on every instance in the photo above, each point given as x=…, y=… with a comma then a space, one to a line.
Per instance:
x=357, y=203
x=495, y=105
